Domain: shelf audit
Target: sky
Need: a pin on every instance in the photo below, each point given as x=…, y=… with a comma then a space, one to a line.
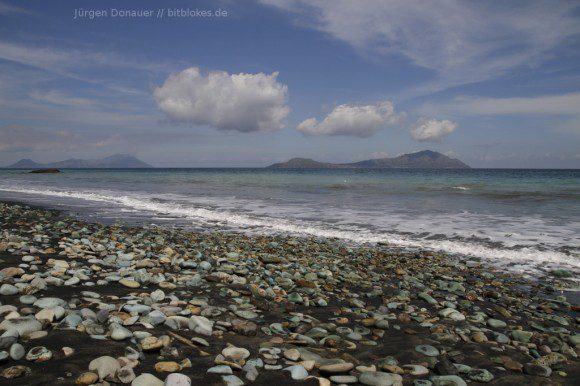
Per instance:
x=249, y=83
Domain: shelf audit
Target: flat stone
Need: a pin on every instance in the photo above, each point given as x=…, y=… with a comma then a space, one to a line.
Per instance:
x=337, y=368
x=480, y=375
x=222, y=369
x=201, y=325
x=147, y=379
x=428, y=350
x=232, y=380
x=16, y=372
x=167, y=367
x=86, y=379
x=129, y=283
x=447, y=380
x=537, y=370
x=45, y=314
x=246, y=314
x=8, y=290
x=346, y=379
x=496, y=323
x=377, y=378
x=522, y=336
x=200, y=341
x=39, y=354
x=235, y=353
x=416, y=370
x=49, y=303
x=23, y=325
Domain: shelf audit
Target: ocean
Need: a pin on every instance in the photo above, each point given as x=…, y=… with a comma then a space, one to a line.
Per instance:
x=525, y=220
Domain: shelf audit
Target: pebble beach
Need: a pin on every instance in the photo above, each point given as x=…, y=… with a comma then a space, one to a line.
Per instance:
x=85, y=303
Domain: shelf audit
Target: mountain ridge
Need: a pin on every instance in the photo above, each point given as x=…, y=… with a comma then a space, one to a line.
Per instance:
x=115, y=161
x=424, y=159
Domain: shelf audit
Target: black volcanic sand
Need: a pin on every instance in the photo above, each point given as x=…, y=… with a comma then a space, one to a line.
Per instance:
x=302, y=283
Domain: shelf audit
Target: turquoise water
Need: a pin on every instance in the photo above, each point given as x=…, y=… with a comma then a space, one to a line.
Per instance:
x=524, y=219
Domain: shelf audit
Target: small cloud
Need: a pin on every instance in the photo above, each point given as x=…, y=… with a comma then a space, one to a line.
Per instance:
x=240, y=102
x=59, y=98
x=9, y=9
x=378, y=154
x=452, y=154
x=352, y=120
x=432, y=129
x=20, y=139
x=487, y=146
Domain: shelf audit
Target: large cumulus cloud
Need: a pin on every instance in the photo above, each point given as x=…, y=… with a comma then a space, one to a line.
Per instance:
x=240, y=102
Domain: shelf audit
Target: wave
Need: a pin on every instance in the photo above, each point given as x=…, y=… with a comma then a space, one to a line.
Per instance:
x=524, y=258
x=460, y=188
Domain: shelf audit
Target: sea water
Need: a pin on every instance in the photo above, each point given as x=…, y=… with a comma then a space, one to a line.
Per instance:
x=525, y=220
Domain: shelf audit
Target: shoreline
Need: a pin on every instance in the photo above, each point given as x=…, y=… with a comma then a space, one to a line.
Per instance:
x=307, y=303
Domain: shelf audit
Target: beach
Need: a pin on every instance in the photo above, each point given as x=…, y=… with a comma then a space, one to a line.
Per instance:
x=85, y=302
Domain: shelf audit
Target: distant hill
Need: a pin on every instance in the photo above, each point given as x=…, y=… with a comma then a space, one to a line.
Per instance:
x=425, y=159
x=116, y=161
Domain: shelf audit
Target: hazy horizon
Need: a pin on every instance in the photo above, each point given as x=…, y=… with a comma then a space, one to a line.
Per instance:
x=494, y=85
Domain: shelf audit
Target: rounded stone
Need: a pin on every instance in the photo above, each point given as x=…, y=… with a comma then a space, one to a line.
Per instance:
x=201, y=325
x=235, y=353
x=428, y=350
x=105, y=366
x=119, y=332
x=86, y=379
x=17, y=351
x=176, y=379
x=126, y=374
x=8, y=290
x=28, y=299
x=496, y=323
x=147, y=379
x=297, y=372
x=292, y=354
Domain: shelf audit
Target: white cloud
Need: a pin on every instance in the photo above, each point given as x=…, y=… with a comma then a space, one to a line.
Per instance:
x=58, y=98
x=432, y=129
x=352, y=120
x=26, y=139
x=9, y=9
x=565, y=104
x=461, y=41
x=241, y=102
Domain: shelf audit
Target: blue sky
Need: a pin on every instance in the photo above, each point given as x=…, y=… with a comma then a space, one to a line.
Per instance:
x=494, y=84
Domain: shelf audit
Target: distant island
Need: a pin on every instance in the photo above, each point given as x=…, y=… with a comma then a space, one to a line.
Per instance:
x=425, y=159
x=116, y=161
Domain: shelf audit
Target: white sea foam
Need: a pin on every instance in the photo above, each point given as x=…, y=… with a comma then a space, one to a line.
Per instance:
x=461, y=188
x=521, y=259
